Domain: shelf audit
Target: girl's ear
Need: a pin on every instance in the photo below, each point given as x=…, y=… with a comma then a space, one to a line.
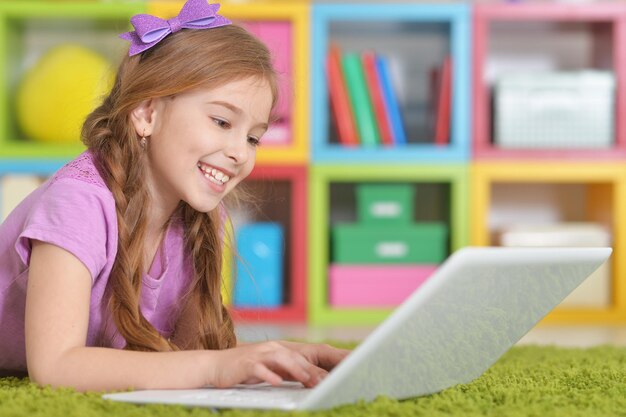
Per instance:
x=143, y=117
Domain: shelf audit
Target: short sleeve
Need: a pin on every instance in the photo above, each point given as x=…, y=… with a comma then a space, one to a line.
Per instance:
x=76, y=216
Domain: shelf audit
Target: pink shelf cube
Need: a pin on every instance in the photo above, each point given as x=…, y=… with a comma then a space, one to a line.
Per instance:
x=607, y=15
x=277, y=35
x=375, y=285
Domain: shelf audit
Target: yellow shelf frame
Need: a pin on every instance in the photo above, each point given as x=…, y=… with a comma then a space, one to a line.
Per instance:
x=297, y=152
x=606, y=178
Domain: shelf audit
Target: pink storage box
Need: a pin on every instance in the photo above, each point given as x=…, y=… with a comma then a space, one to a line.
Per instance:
x=277, y=36
x=374, y=285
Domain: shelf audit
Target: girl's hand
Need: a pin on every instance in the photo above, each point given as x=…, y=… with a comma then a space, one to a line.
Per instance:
x=274, y=362
x=321, y=355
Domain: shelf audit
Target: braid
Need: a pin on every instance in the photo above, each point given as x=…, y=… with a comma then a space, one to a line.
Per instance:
x=215, y=328
x=129, y=265
x=131, y=197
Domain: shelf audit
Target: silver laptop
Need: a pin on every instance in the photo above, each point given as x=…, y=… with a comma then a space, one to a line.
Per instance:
x=477, y=305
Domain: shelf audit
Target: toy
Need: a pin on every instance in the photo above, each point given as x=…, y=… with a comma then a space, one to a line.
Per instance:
x=59, y=91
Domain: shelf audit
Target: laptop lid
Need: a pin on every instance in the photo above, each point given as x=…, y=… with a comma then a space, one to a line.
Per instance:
x=473, y=309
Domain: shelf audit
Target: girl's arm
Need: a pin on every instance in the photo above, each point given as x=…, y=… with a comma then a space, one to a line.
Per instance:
x=57, y=317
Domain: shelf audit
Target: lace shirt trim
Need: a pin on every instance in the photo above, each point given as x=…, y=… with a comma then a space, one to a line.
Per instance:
x=83, y=169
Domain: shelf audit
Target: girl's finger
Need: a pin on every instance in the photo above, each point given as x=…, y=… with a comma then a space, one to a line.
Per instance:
x=328, y=357
x=293, y=363
x=322, y=355
x=296, y=363
x=263, y=373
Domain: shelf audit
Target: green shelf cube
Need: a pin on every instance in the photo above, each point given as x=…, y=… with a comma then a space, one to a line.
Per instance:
x=385, y=203
x=28, y=29
x=384, y=244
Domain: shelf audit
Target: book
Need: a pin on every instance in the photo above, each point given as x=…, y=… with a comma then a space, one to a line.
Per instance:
x=380, y=109
x=444, y=100
x=391, y=101
x=360, y=99
x=434, y=77
x=339, y=100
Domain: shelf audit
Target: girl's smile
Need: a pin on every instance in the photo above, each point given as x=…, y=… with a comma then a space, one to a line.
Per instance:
x=215, y=178
x=212, y=133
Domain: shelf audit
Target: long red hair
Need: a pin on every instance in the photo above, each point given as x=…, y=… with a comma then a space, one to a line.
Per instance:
x=183, y=61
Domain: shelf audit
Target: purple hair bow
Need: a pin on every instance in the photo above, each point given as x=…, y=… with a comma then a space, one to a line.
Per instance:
x=150, y=30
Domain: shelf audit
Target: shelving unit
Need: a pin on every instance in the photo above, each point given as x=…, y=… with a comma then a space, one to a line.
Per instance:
x=543, y=186
x=453, y=178
x=598, y=191
x=412, y=35
x=306, y=180
x=27, y=28
x=511, y=36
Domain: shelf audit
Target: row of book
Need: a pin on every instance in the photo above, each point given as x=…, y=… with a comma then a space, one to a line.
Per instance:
x=364, y=104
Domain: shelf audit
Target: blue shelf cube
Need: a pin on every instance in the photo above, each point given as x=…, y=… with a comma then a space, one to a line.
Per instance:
x=411, y=24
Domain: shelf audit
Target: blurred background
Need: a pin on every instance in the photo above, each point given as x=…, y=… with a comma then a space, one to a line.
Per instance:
x=405, y=131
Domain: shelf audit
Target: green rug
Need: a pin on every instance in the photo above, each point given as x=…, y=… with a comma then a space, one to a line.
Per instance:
x=527, y=381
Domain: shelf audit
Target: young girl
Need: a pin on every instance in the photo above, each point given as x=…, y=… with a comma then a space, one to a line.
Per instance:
x=110, y=271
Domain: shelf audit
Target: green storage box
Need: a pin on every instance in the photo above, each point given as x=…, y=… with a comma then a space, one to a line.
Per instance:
x=388, y=244
x=385, y=203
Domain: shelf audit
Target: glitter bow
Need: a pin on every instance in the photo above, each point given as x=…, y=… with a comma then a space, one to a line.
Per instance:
x=150, y=30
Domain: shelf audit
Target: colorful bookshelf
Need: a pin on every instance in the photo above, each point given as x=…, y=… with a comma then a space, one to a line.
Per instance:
x=601, y=189
x=27, y=29
x=415, y=37
x=284, y=27
x=538, y=35
x=279, y=195
x=451, y=182
x=402, y=31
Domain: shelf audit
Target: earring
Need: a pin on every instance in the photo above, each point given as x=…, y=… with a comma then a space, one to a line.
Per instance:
x=143, y=140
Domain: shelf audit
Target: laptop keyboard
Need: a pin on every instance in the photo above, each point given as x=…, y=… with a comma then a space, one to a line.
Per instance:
x=288, y=395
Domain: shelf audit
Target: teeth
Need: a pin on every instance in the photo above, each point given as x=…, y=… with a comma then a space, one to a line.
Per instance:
x=214, y=175
x=212, y=179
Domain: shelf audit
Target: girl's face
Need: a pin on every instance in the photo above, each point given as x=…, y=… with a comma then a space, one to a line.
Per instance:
x=204, y=142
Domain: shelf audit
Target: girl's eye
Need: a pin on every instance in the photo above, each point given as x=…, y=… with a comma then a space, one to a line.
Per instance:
x=221, y=123
x=254, y=141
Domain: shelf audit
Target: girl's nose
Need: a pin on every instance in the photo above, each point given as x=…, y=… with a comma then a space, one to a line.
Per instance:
x=238, y=150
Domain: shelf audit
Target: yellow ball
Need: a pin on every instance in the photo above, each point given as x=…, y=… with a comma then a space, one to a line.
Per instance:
x=59, y=91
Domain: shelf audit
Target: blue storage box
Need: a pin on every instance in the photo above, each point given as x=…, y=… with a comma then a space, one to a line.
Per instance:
x=259, y=279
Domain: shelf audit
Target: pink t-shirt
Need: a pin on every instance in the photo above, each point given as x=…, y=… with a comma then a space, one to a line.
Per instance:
x=75, y=210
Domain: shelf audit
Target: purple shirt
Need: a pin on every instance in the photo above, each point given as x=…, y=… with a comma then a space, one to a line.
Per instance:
x=75, y=210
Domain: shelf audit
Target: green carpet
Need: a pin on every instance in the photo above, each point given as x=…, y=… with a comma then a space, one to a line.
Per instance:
x=527, y=381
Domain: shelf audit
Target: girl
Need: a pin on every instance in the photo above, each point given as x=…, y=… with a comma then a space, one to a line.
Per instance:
x=110, y=271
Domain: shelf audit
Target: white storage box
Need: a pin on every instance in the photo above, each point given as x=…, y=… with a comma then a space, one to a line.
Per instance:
x=548, y=110
x=595, y=291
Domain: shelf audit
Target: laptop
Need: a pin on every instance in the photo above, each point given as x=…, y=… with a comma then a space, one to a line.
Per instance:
x=477, y=305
